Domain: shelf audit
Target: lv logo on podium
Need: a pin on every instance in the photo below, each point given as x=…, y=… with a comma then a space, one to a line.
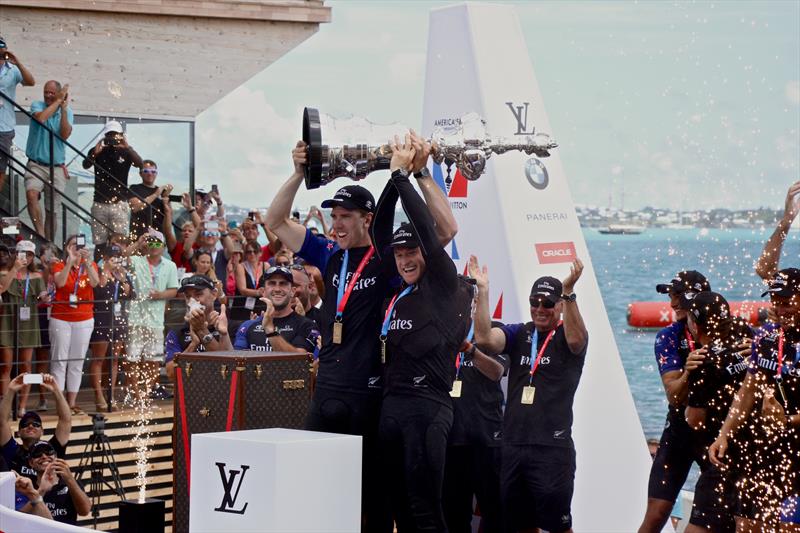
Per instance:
x=228, y=499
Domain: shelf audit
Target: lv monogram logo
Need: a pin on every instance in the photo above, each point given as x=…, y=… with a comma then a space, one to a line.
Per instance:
x=520, y=113
x=228, y=499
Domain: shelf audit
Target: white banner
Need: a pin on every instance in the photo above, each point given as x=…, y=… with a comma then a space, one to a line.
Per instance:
x=520, y=220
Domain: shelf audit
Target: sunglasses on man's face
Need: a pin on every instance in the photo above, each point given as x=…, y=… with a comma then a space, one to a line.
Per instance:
x=547, y=304
x=33, y=423
x=149, y=171
x=50, y=452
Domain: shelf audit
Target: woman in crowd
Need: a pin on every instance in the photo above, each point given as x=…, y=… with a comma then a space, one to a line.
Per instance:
x=202, y=263
x=72, y=317
x=23, y=288
x=248, y=275
x=110, y=322
x=236, y=259
x=48, y=256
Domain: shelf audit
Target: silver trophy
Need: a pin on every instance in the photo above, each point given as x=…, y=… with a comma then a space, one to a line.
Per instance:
x=465, y=145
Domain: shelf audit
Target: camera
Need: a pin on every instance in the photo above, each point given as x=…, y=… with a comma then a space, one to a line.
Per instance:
x=112, y=140
x=175, y=198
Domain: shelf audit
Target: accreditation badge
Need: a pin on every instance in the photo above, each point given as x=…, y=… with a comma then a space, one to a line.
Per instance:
x=456, y=391
x=25, y=313
x=337, y=333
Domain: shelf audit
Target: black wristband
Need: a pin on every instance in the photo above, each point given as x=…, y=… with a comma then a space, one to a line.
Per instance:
x=400, y=173
x=273, y=334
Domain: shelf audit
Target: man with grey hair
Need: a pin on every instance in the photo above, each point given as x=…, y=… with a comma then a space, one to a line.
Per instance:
x=12, y=73
x=56, y=116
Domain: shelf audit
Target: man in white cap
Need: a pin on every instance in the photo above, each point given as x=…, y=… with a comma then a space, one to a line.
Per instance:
x=155, y=280
x=54, y=112
x=112, y=159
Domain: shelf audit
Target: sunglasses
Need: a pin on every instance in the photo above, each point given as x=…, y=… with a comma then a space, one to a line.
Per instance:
x=149, y=171
x=154, y=244
x=33, y=423
x=253, y=252
x=42, y=450
x=280, y=268
x=547, y=304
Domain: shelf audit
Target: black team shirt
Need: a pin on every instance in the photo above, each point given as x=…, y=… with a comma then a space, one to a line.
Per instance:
x=548, y=420
x=297, y=330
x=17, y=457
x=478, y=412
x=354, y=365
x=428, y=325
x=140, y=220
x=111, y=167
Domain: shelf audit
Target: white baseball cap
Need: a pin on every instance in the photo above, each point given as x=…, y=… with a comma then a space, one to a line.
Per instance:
x=26, y=246
x=112, y=125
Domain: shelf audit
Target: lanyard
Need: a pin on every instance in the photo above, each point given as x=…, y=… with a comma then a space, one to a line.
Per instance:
x=153, y=274
x=460, y=356
x=344, y=295
x=386, y=319
x=78, y=279
x=534, y=342
x=249, y=270
x=689, y=340
x=27, y=286
x=779, y=371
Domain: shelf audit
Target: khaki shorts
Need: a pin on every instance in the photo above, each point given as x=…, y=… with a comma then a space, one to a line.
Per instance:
x=145, y=344
x=32, y=183
x=108, y=218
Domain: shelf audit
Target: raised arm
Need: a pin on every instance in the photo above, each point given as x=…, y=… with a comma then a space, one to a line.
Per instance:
x=767, y=263
x=491, y=340
x=14, y=386
x=444, y=221
x=50, y=110
x=574, y=328
x=383, y=221
x=291, y=233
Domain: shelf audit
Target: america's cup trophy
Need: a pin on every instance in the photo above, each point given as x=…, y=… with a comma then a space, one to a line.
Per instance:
x=467, y=146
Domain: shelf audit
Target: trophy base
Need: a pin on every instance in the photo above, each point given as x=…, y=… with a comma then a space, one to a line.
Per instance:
x=312, y=136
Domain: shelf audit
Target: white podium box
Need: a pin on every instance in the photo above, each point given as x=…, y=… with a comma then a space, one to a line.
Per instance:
x=275, y=480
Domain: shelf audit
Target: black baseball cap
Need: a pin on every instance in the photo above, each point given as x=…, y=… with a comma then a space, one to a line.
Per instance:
x=786, y=283
x=41, y=448
x=30, y=415
x=708, y=308
x=549, y=287
x=405, y=237
x=352, y=197
x=197, y=281
x=281, y=271
x=685, y=280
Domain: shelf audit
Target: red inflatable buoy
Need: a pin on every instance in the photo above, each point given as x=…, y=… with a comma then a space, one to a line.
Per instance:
x=660, y=314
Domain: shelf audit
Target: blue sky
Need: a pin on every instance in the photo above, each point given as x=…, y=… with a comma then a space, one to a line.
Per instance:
x=679, y=104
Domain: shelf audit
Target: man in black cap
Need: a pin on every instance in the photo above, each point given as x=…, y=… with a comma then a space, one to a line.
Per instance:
x=205, y=330
x=348, y=390
x=30, y=427
x=774, y=374
x=677, y=355
x=546, y=358
x=279, y=328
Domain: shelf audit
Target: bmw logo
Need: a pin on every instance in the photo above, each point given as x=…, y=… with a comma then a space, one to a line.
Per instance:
x=536, y=173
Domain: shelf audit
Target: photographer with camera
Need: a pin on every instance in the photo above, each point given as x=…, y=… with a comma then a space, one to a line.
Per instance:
x=72, y=317
x=15, y=453
x=112, y=159
x=12, y=73
x=23, y=288
x=149, y=200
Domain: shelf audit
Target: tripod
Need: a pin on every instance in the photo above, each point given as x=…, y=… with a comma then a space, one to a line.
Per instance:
x=96, y=457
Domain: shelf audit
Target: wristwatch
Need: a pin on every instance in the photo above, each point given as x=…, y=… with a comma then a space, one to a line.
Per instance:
x=400, y=172
x=206, y=339
x=423, y=173
x=274, y=333
x=569, y=297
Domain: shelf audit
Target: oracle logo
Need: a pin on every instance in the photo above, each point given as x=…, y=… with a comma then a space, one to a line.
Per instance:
x=555, y=252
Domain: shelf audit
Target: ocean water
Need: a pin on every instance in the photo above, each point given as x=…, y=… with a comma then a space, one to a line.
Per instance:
x=628, y=267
